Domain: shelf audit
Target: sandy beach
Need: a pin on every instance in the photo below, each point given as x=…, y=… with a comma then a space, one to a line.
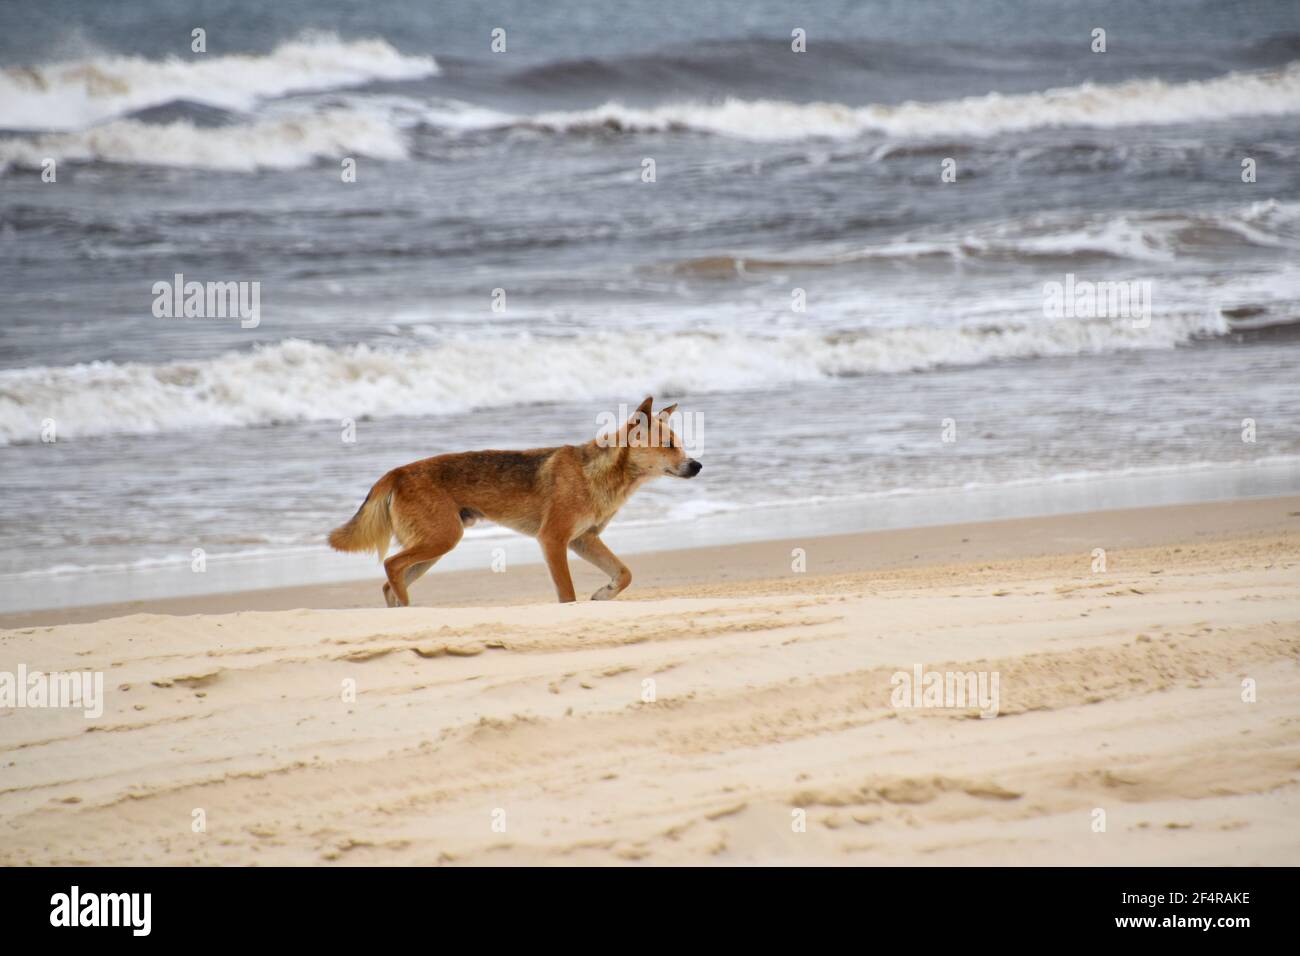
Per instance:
x=726, y=710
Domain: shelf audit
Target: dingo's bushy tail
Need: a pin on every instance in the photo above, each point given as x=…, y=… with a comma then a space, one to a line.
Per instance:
x=371, y=528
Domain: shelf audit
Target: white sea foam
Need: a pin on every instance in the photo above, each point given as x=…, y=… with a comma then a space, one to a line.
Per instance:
x=68, y=96
x=302, y=381
x=1132, y=103
x=287, y=142
x=286, y=138
x=1144, y=236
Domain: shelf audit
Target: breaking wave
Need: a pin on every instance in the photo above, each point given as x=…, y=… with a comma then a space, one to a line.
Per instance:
x=295, y=380
x=288, y=142
x=280, y=137
x=1133, y=103
x=69, y=96
x=1155, y=237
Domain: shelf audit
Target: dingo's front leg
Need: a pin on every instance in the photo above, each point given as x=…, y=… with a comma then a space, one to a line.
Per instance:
x=590, y=548
x=557, y=562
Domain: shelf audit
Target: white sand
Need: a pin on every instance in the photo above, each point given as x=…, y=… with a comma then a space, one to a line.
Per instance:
x=1119, y=691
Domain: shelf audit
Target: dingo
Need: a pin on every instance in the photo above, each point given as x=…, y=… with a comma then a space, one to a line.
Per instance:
x=562, y=496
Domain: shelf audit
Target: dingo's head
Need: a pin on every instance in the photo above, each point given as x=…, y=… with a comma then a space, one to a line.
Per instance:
x=653, y=447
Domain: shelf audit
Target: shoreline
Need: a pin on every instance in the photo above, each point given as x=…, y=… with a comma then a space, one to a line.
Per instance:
x=653, y=571
x=313, y=566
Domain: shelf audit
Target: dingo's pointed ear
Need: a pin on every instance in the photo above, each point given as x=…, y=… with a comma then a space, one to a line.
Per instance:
x=665, y=412
x=636, y=427
x=642, y=415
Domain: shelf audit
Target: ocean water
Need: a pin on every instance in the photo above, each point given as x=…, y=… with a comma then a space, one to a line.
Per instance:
x=861, y=339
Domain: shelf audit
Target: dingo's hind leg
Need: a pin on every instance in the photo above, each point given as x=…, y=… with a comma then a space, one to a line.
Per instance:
x=429, y=534
x=413, y=574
